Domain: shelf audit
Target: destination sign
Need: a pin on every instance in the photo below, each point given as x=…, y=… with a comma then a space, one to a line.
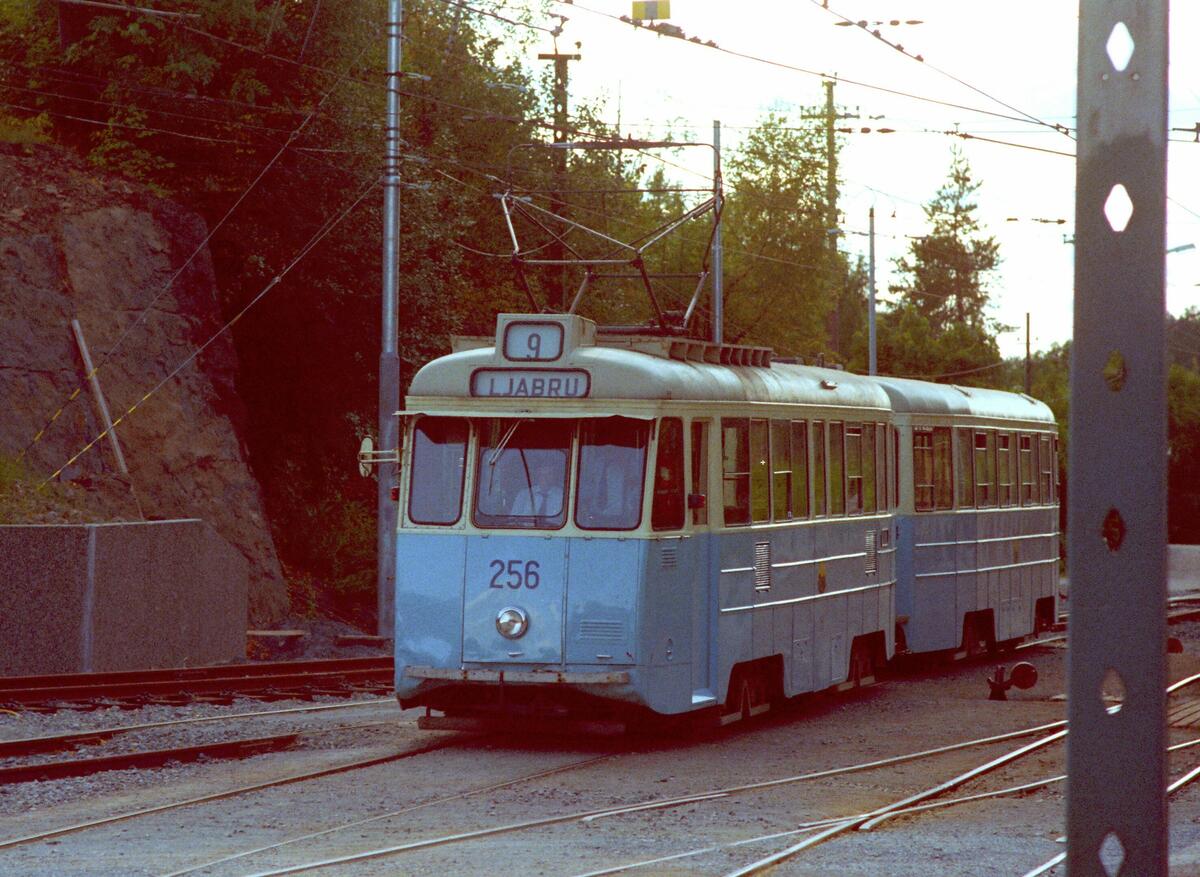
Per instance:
x=531, y=383
x=540, y=342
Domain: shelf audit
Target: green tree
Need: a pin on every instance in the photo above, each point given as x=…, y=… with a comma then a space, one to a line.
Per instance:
x=940, y=326
x=783, y=274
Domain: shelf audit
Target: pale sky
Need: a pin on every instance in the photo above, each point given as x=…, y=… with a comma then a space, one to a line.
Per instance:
x=1021, y=53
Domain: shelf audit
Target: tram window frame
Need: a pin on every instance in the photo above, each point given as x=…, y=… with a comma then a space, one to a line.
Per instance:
x=837, y=468
x=985, y=468
x=781, y=471
x=1025, y=456
x=603, y=519
x=854, y=468
x=1004, y=469
x=943, y=468
x=881, y=466
x=922, y=467
x=667, y=500
x=965, y=471
x=1054, y=478
x=544, y=429
x=421, y=472
x=820, y=494
x=870, y=503
x=735, y=482
x=1046, y=468
x=699, y=470
x=800, y=469
x=760, y=470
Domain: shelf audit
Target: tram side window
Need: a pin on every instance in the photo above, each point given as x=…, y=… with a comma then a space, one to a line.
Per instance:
x=837, y=469
x=1027, y=476
x=923, y=470
x=966, y=484
x=612, y=464
x=735, y=470
x=881, y=467
x=985, y=469
x=1004, y=469
x=700, y=470
x=819, y=500
x=667, y=511
x=800, y=468
x=1054, y=473
x=438, y=463
x=1047, y=467
x=868, y=463
x=943, y=468
x=854, y=469
x=895, y=465
x=781, y=471
x=760, y=472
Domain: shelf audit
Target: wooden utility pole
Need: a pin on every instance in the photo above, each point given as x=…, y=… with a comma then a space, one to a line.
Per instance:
x=831, y=215
x=558, y=299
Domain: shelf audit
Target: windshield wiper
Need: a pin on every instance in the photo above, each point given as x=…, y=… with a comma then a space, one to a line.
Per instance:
x=499, y=449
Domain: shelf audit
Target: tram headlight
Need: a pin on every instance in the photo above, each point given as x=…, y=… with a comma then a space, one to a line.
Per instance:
x=512, y=622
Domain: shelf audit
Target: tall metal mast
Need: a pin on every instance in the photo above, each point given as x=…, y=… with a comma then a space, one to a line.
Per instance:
x=1117, y=551
x=389, y=362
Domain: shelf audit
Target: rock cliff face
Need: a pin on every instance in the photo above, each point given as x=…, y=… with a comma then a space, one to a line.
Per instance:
x=132, y=268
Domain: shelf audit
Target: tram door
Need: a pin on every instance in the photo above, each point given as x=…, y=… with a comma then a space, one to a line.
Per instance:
x=704, y=582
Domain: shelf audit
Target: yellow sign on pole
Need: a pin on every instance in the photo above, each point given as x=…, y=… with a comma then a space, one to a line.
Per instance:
x=651, y=10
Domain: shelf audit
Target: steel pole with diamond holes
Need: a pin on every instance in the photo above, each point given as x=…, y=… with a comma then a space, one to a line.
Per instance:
x=1117, y=555
x=389, y=360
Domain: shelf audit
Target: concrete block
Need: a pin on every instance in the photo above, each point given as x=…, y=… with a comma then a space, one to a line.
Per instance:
x=124, y=596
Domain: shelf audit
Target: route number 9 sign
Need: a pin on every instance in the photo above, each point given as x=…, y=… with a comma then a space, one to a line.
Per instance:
x=533, y=342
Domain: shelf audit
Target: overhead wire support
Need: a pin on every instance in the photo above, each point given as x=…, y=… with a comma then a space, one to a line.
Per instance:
x=630, y=254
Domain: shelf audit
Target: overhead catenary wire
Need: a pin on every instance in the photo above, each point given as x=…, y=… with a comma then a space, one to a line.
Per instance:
x=317, y=237
x=99, y=364
x=824, y=4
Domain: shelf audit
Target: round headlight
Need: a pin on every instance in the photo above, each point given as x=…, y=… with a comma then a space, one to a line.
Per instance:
x=512, y=622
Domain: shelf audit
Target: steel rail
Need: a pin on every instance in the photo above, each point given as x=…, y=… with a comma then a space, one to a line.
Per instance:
x=409, y=809
x=1174, y=787
x=866, y=822
x=58, y=742
x=589, y=815
x=229, y=793
x=806, y=827
x=261, y=668
x=244, y=747
x=193, y=686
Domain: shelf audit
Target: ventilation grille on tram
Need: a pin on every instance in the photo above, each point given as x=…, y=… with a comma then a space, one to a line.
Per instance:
x=872, y=553
x=590, y=628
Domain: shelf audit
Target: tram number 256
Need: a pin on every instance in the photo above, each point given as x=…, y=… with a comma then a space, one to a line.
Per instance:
x=516, y=574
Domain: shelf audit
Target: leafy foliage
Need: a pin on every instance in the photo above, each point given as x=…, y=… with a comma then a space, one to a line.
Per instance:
x=940, y=327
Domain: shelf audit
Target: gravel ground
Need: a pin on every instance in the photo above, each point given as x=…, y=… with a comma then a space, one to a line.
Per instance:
x=915, y=710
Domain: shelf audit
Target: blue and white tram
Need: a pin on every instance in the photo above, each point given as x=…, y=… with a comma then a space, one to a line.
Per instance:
x=977, y=520
x=596, y=525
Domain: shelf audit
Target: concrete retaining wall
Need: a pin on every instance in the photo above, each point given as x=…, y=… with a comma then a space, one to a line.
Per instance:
x=130, y=596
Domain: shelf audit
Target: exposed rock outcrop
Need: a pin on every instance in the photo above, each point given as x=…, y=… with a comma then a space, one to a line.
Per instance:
x=133, y=269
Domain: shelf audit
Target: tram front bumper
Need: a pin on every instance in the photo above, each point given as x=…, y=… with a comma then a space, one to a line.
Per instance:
x=523, y=677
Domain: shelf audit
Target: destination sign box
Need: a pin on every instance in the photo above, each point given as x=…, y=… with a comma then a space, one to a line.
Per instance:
x=531, y=383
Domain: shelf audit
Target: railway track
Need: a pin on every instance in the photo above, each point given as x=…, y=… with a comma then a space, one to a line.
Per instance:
x=141, y=759
x=818, y=832
x=283, y=680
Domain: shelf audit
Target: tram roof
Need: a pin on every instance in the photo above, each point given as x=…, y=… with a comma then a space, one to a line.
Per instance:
x=618, y=373
x=910, y=396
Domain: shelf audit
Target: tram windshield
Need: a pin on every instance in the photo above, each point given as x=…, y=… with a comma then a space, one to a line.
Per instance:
x=521, y=473
x=612, y=465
